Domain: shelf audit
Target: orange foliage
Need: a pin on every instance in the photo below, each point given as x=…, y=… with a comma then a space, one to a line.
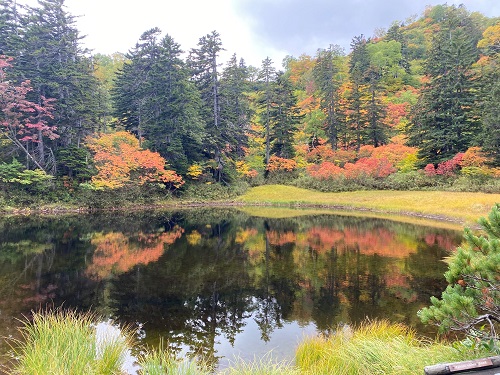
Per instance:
x=373, y=167
x=324, y=152
x=119, y=160
x=380, y=241
x=281, y=164
x=117, y=253
x=244, y=234
x=280, y=238
x=366, y=151
x=473, y=157
x=394, y=152
x=308, y=104
x=322, y=240
x=299, y=69
x=244, y=170
x=324, y=171
x=395, y=113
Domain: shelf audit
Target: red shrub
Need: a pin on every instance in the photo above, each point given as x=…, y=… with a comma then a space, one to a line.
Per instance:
x=373, y=167
x=324, y=170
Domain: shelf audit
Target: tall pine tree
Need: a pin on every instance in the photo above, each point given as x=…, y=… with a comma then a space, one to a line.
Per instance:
x=58, y=67
x=327, y=78
x=283, y=118
x=154, y=98
x=359, y=64
x=204, y=69
x=234, y=104
x=443, y=122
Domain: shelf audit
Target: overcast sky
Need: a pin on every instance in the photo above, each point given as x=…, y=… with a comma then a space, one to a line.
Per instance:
x=253, y=29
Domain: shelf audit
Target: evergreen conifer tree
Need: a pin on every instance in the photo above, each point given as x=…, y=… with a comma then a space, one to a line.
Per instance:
x=444, y=123
x=471, y=302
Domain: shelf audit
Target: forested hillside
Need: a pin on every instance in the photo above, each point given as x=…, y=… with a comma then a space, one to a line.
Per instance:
x=415, y=106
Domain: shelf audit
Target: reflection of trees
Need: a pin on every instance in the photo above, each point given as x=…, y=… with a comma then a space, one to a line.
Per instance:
x=224, y=268
x=116, y=252
x=197, y=291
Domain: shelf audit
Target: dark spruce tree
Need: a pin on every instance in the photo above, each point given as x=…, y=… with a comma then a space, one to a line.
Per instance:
x=10, y=29
x=234, y=105
x=204, y=70
x=57, y=66
x=154, y=98
x=443, y=122
x=326, y=75
x=376, y=131
x=267, y=75
x=284, y=117
x=359, y=64
x=490, y=95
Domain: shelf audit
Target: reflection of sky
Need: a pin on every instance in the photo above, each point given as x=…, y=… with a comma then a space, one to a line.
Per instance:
x=249, y=345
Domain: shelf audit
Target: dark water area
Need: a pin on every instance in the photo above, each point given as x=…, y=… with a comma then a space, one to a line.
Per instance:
x=219, y=283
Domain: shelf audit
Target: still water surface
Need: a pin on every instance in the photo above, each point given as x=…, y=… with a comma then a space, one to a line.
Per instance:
x=218, y=282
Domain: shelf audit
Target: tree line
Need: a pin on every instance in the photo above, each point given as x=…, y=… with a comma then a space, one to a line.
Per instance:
x=429, y=85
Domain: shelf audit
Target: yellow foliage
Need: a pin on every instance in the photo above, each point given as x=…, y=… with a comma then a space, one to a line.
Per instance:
x=193, y=238
x=491, y=37
x=195, y=171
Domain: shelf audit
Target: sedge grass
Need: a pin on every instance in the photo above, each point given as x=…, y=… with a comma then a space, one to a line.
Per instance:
x=61, y=343
x=261, y=366
x=65, y=342
x=161, y=362
x=374, y=348
x=461, y=206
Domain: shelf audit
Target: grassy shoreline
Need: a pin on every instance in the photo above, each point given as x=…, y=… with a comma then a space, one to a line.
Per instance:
x=65, y=342
x=457, y=207
x=453, y=209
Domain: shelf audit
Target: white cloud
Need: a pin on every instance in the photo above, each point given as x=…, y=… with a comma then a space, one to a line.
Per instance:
x=253, y=29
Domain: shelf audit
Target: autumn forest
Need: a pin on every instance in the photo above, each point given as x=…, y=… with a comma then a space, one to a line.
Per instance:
x=414, y=106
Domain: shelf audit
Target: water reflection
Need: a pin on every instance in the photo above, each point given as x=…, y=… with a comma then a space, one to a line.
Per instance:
x=218, y=282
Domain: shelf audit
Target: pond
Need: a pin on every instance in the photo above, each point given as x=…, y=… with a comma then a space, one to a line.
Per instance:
x=221, y=283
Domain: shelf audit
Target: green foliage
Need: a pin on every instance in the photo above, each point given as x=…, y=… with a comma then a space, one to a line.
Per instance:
x=73, y=162
x=471, y=302
x=29, y=180
x=89, y=197
x=10, y=171
x=200, y=192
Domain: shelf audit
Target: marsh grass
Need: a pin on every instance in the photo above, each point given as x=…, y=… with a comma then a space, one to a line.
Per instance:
x=261, y=366
x=161, y=362
x=374, y=348
x=65, y=342
x=462, y=206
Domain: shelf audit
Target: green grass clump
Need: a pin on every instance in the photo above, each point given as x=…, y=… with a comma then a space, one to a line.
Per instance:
x=261, y=366
x=374, y=348
x=65, y=342
x=160, y=362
